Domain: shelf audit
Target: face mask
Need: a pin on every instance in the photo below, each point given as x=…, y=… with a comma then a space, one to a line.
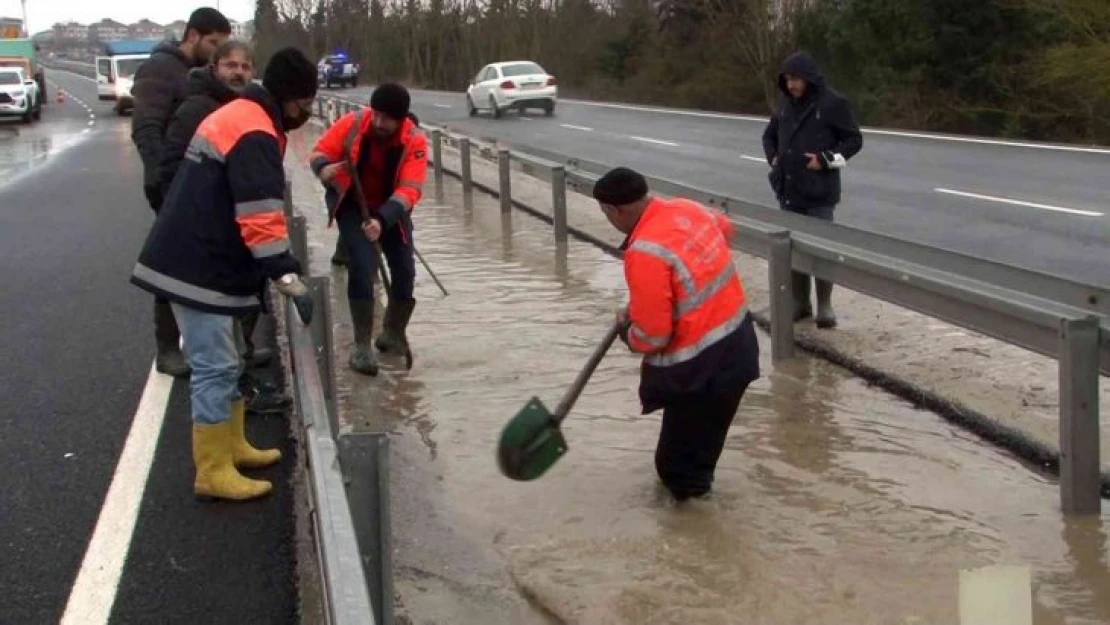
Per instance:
x=293, y=123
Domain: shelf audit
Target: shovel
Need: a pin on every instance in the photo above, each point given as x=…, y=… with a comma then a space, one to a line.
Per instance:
x=532, y=441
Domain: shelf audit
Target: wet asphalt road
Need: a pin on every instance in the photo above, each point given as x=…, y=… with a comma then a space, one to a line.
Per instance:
x=891, y=187
x=77, y=354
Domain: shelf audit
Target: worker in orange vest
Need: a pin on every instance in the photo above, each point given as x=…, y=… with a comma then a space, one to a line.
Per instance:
x=688, y=316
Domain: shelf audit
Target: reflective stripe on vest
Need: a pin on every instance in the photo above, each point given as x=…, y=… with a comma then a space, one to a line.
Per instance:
x=718, y=302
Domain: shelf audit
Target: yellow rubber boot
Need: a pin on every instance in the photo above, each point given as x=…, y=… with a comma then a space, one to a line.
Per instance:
x=245, y=455
x=216, y=475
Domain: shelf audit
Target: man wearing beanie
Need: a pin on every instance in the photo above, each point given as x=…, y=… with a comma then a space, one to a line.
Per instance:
x=390, y=155
x=688, y=315
x=219, y=236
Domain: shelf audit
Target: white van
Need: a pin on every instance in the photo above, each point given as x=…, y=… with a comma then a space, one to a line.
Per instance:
x=114, y=77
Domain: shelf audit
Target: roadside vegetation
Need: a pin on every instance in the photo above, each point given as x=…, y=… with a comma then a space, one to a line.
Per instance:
x=1037, y=69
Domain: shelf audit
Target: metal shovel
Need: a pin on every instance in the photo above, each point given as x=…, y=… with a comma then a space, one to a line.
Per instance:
x=532, y=441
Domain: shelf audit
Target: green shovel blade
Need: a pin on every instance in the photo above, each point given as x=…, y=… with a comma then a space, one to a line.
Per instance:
x=530, y=443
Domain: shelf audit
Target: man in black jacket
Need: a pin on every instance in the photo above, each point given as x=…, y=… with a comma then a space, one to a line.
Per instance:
x=161, y=85
x=810, y=138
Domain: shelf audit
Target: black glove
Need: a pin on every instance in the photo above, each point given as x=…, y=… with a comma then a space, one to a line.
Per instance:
x=276, y=266
x=390, y=213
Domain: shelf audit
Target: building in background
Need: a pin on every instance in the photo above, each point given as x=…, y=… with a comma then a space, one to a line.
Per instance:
x=146, y=29
x=109, y=30
x=242, y=31
x=175, y=30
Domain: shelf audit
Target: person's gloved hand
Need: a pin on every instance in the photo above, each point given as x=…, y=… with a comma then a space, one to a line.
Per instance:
x=291, y=286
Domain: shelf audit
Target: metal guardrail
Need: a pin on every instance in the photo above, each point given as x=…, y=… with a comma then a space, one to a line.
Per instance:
x=1054, y=316
x=348, y=471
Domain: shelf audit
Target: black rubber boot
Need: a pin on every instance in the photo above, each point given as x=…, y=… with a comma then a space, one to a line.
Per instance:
x=396, y=323
x=362, y=358
x=799, y=284
x=826, y=317
x=339, y=258
x=261, y=397
x=253, y=356
x=169, y=360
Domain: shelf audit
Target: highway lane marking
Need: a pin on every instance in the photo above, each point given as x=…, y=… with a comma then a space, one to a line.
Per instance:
x=655, y=141
x=875, y=131
x=1003, y=200
x=79, y=101
x=441, y=106
x=527, y=119
x=756, y=159
x=573, y=127
x=94, y=591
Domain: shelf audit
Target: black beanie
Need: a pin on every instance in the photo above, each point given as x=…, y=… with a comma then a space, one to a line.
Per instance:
x=620, y=186
x=290, y=76
x=391, y=100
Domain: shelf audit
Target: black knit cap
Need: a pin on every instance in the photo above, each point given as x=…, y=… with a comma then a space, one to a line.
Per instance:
x=620, y=186
x=391, y=100
x=290, y=76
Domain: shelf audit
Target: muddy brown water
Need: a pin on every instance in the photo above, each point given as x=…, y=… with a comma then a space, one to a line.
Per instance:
x=834, y=502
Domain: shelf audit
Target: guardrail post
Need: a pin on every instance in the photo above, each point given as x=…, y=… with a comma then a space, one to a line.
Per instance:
x=287, y=200
x=322, y=337
x=437, y=162
x=1080, y=482
x=505, y=177
x=298, y=239
x=467, y=182
x=559, y=202
x=782, y=297
x=365, y=460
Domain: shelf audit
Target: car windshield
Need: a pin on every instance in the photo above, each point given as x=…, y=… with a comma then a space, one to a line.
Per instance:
x=521, y=69
x=128, y=67
x=10, y=78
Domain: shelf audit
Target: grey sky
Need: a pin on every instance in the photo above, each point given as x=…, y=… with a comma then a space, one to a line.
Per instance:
x=42, y=14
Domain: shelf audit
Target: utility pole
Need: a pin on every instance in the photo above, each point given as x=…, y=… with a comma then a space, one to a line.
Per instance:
x=26, y=31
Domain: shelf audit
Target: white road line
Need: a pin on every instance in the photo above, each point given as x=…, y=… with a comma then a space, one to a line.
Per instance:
x=527, y=119
x=1047, y=207
x=875, y=131
x=573, y=127
x=441, y=106
x=94, y=592
x=655, y=141
x=756, y=159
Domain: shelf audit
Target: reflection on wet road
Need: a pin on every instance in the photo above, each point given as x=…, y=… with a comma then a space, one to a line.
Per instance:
x=834, y=503
x=23, y=146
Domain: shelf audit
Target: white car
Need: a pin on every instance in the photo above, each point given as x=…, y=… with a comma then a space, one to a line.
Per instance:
x=519, y=85
x=115, y=76
x=19, y=95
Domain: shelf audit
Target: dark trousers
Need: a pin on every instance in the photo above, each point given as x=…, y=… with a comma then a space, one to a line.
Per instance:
x=691, y=439
x=362, y=263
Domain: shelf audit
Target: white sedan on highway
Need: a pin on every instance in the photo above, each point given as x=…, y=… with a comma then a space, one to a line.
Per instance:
x=519, y=85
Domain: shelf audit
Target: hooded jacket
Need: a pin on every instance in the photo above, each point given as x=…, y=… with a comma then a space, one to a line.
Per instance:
x=161, y=85
x=821, y=123
x=206, y=94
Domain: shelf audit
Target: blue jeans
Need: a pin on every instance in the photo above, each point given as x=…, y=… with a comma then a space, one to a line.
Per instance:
x=362, y=264
x=214, y=357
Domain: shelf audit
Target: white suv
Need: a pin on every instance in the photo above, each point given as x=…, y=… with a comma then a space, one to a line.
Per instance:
x=19, y=95
x=512, y=84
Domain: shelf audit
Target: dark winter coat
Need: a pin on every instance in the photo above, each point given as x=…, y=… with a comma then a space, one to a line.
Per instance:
x=222, y=230
x=820, y=122
x=161, y=85
x=206, y=94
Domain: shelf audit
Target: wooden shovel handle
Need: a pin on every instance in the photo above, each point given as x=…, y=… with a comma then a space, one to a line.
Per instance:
x=571, y=396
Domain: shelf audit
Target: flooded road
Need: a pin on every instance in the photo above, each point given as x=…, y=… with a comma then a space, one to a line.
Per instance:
x=834, y=503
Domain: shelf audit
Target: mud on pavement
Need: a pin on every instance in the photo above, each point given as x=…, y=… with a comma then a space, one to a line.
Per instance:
x=834, y=502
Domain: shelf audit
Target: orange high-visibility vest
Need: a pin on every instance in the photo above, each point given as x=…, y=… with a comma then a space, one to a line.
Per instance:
x=686, y=299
